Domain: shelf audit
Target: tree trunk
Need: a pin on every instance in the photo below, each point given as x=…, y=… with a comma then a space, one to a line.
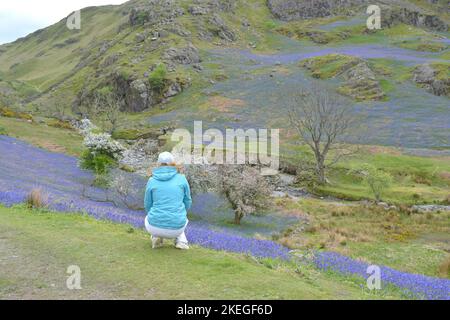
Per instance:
x=320, y=170
x=237, y=217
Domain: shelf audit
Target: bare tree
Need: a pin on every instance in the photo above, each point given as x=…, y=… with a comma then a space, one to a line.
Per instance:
x=60, y=108
x=130, y=194
x=321, y=118
x=107, y=106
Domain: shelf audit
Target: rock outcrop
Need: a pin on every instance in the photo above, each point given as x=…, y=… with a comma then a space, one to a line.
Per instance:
x=138, y=96
x=414, y=17
x=220, y=29
x=155, y=12
x=185, y=56
x=288, y=10
x=358, y=80
x=393, y=12
x=361, y=83
x=433, y=78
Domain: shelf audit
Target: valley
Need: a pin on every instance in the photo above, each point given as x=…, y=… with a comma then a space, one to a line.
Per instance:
x=136, y=72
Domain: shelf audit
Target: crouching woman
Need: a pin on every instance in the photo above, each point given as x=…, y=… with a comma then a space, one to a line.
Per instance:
x=167, y=199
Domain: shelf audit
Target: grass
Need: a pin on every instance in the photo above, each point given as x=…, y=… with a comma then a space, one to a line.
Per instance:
x=423, y=46
x=117, y=261
x=402, y=35
x=44, y=136
x=417, y=180
x=442, y=70
x=416, y=243
x=329, y=66
x=392, y=70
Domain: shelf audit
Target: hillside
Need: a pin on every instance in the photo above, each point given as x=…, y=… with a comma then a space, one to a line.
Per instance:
x=215, y=47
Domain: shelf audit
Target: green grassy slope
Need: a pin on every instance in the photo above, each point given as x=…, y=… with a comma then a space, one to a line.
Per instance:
x=416, y=243
x=68, y=60
x=48, y=55
x=118, y=262
x=44, y=136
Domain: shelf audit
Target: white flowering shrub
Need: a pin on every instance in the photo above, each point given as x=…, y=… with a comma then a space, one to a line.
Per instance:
x=85, y=127
x=243, y=186
x=104, y=144
x=245, y=189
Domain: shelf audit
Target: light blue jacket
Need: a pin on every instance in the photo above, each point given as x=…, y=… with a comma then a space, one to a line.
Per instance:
x=167, y=199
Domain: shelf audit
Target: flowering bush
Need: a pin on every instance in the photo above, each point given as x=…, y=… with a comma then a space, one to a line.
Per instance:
x=202, y=178
x=85, y=126
x=245, y=189
x=102, y=143
x=98, y=162
x=8, y=113
x=102, y=153
x=243, y=186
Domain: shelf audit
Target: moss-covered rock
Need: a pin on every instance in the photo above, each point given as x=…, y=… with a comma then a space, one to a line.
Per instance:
x=435, y=78
x=329, y=66
x=56, y=123
x=299, y=31
x=359, y=81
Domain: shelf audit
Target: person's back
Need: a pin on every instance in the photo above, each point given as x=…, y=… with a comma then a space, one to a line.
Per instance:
x=167, y=199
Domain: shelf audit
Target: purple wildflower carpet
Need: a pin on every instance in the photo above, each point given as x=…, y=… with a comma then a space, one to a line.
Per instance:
x=24, y=167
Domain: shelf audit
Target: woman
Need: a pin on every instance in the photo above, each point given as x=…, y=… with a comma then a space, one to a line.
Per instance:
x=167, y=199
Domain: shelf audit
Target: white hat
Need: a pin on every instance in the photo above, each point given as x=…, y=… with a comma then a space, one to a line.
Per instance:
x=166, y=158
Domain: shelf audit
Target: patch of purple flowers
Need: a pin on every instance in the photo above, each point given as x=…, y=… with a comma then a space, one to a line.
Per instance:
x=422, y=287
x=219, y=240
x=24, y=167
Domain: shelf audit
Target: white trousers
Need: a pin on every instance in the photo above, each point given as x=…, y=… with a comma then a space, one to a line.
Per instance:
x=167, y=233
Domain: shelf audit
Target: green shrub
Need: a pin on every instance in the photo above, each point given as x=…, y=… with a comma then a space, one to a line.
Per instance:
x=157, y=78
x=446, y=200
x=142, y=17
x=98, y=162
x=127, y=168
x=102, y=181
x=270, y=24
x=8, y=113
x=377, y=180
x=60, y=124
x=131, y=134
x=3, y=131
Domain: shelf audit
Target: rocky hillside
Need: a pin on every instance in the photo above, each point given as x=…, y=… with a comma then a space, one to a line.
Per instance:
x=119, y=47
x=150, y=51
x=394, y=12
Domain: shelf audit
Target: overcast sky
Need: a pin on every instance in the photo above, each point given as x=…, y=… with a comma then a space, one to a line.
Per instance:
x=21, y=17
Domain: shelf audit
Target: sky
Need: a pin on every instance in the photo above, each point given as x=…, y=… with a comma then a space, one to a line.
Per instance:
x=21, y=17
